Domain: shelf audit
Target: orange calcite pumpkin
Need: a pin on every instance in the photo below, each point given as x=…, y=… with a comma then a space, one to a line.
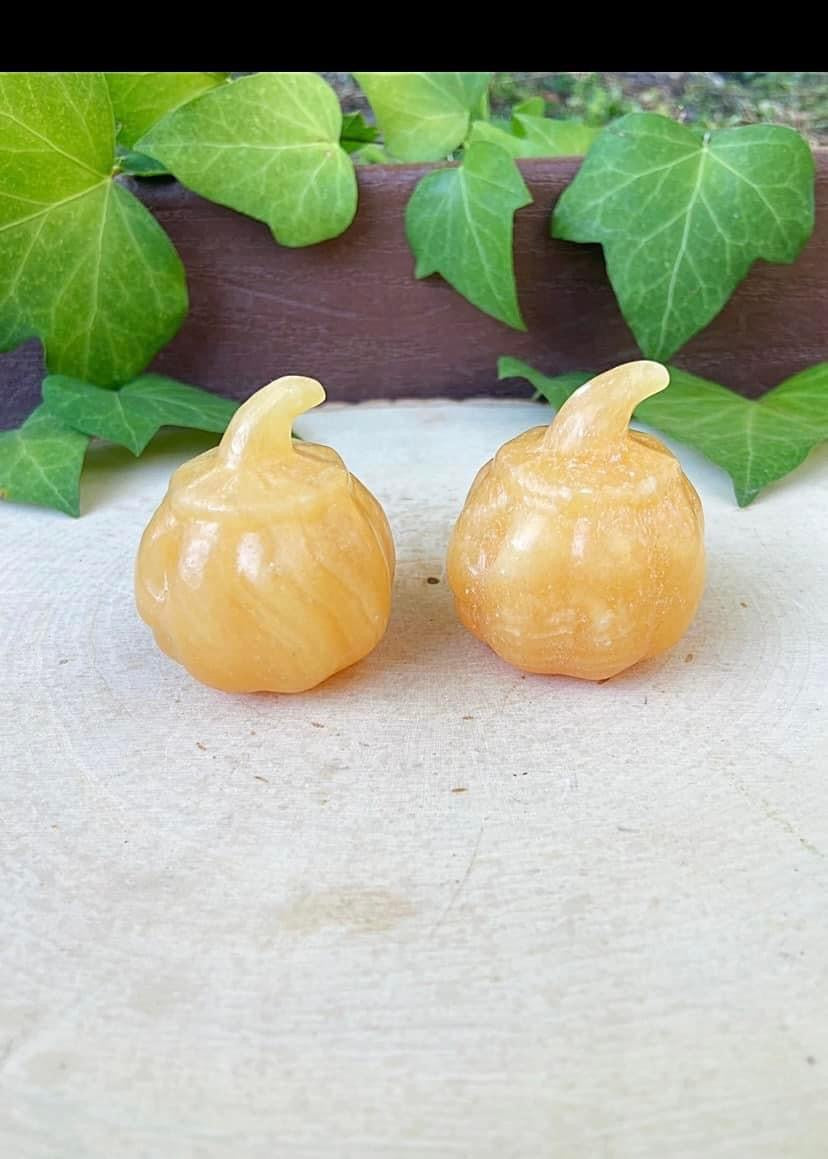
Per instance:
x=580, y=549
x=268, y=566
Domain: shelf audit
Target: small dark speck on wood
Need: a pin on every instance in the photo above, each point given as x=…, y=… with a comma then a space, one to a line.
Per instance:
x=468, y=718
x=688, y=658
x=460, y=789
x=432, y=579
x=258, y=778
x=201, y=746
x=316, y=724
x=742, y=602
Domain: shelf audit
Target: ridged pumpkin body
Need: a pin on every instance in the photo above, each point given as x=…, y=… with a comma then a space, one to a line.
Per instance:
x=580, y=548
x=268, y=566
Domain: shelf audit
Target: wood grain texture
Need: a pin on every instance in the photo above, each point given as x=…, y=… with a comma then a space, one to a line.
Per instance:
x=350, y=312
x=253, y=927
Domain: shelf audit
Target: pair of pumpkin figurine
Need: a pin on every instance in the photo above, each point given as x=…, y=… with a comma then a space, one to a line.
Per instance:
x=579, y=551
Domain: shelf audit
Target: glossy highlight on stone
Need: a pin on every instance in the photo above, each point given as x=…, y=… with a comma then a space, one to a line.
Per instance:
x=580, y=548
x=267, y=566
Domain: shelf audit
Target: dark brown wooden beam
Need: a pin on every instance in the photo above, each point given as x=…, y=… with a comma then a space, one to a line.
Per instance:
x=350, y=312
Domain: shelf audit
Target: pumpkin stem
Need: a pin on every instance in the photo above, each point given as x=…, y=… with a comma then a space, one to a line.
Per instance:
x=601, y=409
x=265, y=422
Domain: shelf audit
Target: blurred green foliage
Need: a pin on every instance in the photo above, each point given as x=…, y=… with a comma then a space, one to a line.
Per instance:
x=706, y=99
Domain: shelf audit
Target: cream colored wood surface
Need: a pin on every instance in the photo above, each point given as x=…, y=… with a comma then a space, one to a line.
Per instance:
x=434, y=908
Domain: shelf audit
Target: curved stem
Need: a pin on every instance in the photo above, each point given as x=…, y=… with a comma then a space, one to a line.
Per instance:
x=264, y=423
x=601, y=409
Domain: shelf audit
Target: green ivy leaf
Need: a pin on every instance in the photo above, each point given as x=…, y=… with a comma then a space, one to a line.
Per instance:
x=356, y=132
x=140, y=165
x=533, y=106
x=485, y=132
x=423, y=116
x=83, y=265
x=682, y=218
x=531, y=136
x=139, y=99
x=756, y=442
x=132, y=415
x=556, y=390
x=554, y=138
x=459, y=223
x=372, y=154
x=266, y=145
x=41, y=463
